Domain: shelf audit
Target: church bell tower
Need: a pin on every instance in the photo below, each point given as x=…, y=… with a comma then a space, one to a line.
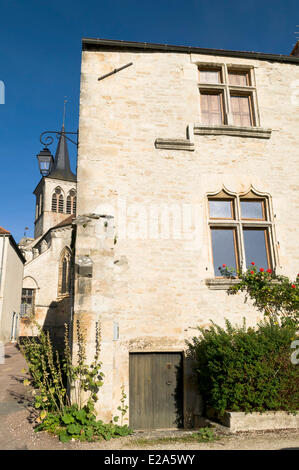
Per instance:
x=55, y=193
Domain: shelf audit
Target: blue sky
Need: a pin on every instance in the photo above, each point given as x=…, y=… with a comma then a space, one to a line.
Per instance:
x=40, y=53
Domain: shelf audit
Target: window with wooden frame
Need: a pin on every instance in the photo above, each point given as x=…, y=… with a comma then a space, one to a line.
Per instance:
x=28, y=301
x=71, y=202
x=227, y=96
x=241, y=231
x=57, y=201
x=211, y=107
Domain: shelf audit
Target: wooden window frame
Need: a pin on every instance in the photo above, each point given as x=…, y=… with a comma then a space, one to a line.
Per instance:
x=229, y=90
x=262, y=201
x=210, y=69
x=251, y=113
x=240, y=224
x=236, y=250
x=31, y=307
x=231, y=207
x=267, y=243
x=239, y=71
x=203, y=91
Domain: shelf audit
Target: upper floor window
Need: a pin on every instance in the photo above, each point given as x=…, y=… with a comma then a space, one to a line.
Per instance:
x=71, y=202
x=227, y=96
x=57, y=201
x=241, y=231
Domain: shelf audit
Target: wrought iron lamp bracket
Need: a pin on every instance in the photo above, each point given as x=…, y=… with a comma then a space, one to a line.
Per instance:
x=48, y=139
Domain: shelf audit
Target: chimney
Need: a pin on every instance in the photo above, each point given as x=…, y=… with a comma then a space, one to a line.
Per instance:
x=295, y=51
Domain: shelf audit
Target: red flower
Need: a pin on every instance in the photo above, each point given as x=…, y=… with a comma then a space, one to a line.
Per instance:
x=253, y=263
x=269, y=271
x=298, y=275
x=293, y=286
x=251, y=272
x=224, y=265
x=262, y=270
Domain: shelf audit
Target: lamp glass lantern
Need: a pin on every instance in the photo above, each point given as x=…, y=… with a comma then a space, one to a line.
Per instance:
x=45, y=161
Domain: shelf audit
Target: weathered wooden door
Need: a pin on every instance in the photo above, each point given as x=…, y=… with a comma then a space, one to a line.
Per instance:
x=156, y=390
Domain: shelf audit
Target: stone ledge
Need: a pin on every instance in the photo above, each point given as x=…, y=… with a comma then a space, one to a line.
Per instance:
x=256, y=132
x=269, y=420
x=174, y=144
x=221, y=283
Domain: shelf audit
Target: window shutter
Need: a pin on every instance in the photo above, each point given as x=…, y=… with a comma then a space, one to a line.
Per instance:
x=238, y=78
x=241, y=110
x=211, y=108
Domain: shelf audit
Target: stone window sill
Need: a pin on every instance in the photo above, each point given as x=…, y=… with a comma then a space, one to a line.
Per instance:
x=221, y=283
x=256, y=132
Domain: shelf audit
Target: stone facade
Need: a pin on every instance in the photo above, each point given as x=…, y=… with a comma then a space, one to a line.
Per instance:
x=143, y=150
x=43, y=271
x=11, y=275
x=51, y=309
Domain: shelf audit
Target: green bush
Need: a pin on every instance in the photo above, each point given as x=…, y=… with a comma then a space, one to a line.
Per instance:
x=246, y=369
x=54, y=377
x=81, y=424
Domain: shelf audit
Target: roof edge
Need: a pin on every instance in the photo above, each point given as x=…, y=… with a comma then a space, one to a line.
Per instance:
x=92, y=43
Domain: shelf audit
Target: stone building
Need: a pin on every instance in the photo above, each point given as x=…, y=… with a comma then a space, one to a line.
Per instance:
x=187, y=160
x=46, y=283
x=11, y=276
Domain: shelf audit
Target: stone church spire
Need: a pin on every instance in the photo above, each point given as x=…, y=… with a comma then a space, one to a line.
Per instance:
x=61, y=168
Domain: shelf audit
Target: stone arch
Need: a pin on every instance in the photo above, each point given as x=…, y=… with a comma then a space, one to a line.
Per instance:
x=57, y=202
x=71, y=201
x=29, y=295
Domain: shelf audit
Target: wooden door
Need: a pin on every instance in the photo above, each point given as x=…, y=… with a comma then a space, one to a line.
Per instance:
x=156, y=390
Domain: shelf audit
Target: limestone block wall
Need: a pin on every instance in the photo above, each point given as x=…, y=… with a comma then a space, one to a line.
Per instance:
x=149, y=282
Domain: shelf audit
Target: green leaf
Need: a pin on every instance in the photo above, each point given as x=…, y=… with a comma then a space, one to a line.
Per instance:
x=64, y=437
x=74, y=428
x=67, y=419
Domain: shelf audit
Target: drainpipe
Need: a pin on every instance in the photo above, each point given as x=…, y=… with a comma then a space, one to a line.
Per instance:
x=12, y=333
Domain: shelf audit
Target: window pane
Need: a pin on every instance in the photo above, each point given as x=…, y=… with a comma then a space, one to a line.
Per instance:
x=241, y=110
x=223, y=244
x=211, y=108
x=238, y=78
x=209, y=76
x=255, y=247
x=220, y=209
x=252, y=210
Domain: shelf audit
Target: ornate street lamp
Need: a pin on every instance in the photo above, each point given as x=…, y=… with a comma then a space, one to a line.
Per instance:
x=45, y=161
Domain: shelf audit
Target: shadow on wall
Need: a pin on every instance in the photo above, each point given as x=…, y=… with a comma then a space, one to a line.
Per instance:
x=57, y=316
x=53, y=321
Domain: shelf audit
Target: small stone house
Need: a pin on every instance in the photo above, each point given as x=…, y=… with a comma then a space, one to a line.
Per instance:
x=187, y=160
